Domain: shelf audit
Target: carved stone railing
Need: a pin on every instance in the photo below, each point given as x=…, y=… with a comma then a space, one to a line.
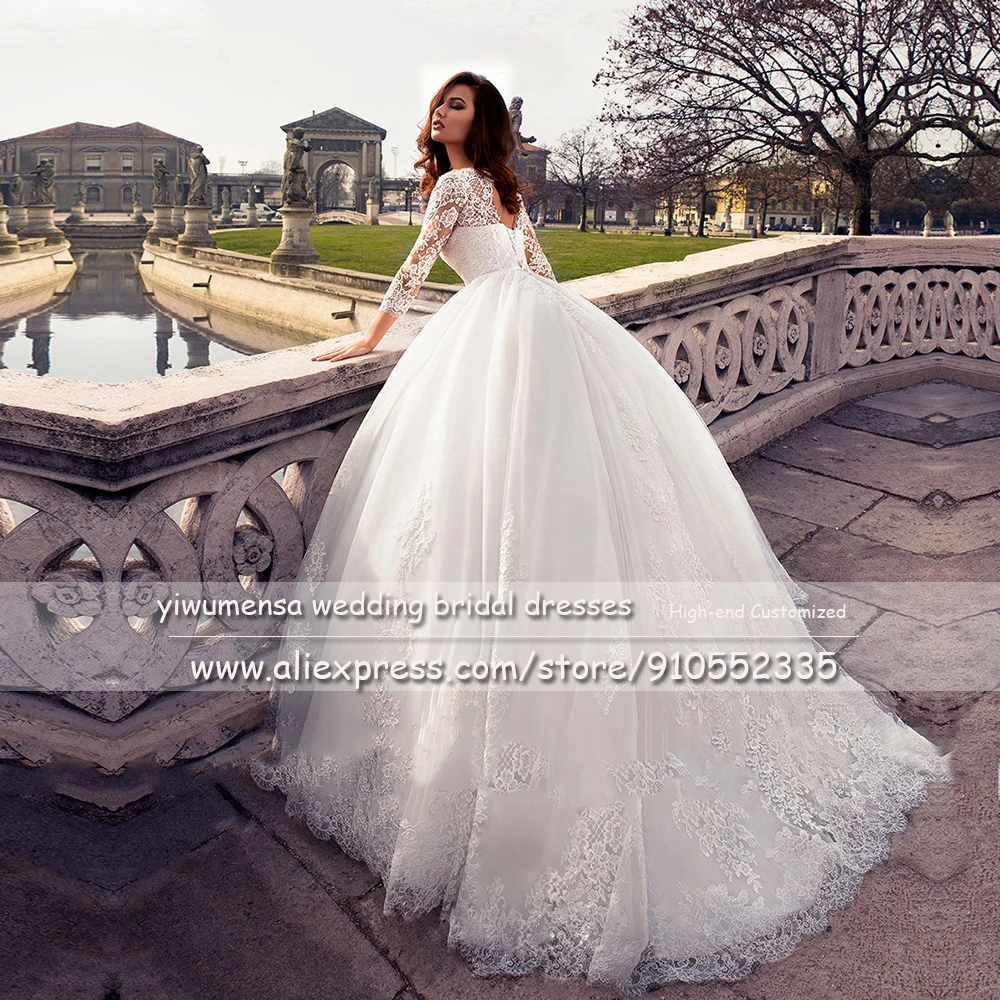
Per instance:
x=214, y=478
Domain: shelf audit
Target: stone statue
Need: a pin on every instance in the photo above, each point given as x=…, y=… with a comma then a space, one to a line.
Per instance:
x=178, y=189
x=227, y=201
x=311, y=192
x=294, y=179
x=198, y=176
x=729, y=219
x=928, y=222
x=136, y=198
x=515, y=125
x=161, y=185
x=81, y=194
x=42, y=186
x=251, y=195
x=373, y=189
x=16, y=189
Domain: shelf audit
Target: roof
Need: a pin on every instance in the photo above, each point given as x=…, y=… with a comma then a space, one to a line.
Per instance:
x=335, y=120
x=86, y=130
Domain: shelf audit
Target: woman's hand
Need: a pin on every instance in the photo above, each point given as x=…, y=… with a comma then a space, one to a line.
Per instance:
x=349, y=349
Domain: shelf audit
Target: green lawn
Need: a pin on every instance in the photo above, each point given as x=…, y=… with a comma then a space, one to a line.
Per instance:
x=381, y=249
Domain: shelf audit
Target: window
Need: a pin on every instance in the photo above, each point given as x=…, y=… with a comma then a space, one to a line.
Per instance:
x=127, y=160
x=92, y=162
x=93, y=194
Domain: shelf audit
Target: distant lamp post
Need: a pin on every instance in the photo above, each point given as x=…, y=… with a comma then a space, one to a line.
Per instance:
x=395, y=153
x=243, y=165
x=409, y=199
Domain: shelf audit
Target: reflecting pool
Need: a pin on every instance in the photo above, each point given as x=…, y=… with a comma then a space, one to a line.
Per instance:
x=106, y=328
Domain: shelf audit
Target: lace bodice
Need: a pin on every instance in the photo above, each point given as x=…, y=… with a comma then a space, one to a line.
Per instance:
x=463, y=226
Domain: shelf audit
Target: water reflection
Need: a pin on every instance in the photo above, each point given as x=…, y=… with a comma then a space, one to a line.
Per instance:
x=105, y=329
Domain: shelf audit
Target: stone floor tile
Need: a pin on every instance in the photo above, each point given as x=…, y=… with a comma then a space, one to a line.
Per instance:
x=795, y=492
x=956, y=529
x=937, y=396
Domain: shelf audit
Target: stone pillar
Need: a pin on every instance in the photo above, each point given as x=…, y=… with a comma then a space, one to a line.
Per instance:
x=162, y=224
x=41, y=222
x=197, y=348
x=8, y=244
x=18, y=218
x=78, y=213
x=196, y=232
x=38, y=330
x=252, y=221
x=296, y=246
x=164, y=331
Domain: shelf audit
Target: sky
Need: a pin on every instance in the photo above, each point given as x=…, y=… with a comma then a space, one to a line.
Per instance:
x=228, y=74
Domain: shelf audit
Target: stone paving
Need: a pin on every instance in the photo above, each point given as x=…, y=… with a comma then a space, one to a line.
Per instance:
x=206, y=890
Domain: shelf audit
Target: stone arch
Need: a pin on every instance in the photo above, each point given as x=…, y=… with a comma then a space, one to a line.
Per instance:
x=336, y=183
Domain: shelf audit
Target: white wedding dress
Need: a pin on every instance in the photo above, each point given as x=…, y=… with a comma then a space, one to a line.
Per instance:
x=622, y=834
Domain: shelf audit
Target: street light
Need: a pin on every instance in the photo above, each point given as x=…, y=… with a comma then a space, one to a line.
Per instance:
x=409, y=199
x=243, y=165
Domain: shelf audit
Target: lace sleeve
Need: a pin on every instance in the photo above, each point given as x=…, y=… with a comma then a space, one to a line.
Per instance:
x=537, y=260
x=443, y=209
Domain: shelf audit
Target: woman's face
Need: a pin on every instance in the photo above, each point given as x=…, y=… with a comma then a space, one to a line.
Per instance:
x=452, y=118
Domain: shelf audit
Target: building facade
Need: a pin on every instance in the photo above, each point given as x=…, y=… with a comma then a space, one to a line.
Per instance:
x=109, y=161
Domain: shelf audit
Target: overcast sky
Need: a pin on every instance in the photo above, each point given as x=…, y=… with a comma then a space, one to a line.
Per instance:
x=227, y=74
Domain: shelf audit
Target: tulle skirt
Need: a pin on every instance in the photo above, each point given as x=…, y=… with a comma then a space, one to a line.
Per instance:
x=628, y=833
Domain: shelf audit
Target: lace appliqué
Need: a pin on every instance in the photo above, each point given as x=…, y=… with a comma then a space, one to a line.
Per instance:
x=511, y=568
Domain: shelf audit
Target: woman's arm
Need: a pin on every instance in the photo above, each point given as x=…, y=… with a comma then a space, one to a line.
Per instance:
x=443, y=209
x=536, y=258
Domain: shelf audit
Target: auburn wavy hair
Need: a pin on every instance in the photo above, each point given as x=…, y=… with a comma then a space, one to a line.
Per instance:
x=489, y=145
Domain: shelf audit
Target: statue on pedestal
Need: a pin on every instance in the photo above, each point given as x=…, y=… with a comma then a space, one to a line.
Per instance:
x=42, y=185
x=161, y=184
x=294, y=180
x=251, y=195
x=515, y=125
x=178, y=189
x=373, y=190
x=198, y=176
x=81, y=195
x=227, y=201
x=16, y=189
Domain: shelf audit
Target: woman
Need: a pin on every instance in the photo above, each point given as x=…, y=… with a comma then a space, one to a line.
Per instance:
x=629, y=834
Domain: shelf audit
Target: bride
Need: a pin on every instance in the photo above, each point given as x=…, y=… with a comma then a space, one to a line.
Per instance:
x=630, y=834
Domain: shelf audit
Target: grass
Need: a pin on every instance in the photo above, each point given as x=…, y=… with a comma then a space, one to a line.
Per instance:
x=572, y=254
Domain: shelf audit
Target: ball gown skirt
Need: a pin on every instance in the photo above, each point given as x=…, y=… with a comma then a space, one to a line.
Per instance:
x=626, y=834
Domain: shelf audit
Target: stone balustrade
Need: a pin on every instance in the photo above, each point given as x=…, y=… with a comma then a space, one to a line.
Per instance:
x=214, y=478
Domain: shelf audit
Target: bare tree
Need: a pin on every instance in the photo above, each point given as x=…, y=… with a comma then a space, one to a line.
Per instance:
x=847, y=82
x=578, y=162
x=269, y=167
